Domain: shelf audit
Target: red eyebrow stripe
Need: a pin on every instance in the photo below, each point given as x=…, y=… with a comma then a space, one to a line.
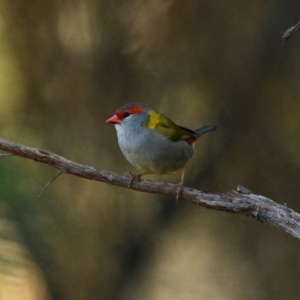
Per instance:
x=131, y=110
x=134, y=110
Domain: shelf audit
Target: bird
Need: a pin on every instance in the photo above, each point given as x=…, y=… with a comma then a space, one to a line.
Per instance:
x=153, y=143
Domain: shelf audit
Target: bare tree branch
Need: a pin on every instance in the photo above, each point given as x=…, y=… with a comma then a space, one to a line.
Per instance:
x=291, y=31
x=241, y=201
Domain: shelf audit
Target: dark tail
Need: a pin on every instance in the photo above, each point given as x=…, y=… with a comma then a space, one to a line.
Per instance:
x=205, y=129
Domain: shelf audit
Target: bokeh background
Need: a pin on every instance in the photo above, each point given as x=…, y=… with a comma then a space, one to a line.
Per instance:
x=66, y=66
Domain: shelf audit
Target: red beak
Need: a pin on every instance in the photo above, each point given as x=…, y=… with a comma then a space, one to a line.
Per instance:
x=113, y=120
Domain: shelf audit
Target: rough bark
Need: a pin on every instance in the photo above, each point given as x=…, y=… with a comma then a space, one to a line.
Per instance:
x=241, y=201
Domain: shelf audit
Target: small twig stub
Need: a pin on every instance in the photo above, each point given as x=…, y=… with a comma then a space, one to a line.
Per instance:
x=292, y=30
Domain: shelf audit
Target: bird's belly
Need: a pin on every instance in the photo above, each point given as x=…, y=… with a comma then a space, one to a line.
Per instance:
x=160, y=157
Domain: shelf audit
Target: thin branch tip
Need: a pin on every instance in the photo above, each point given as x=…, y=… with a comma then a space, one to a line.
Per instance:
x=291, y=31
x=48, y=183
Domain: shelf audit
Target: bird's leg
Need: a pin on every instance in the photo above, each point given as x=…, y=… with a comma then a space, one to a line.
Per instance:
x=136, y=177
x=133, y=177
x=180, y=184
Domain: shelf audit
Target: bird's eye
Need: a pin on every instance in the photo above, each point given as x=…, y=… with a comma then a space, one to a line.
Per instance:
x=126, y=114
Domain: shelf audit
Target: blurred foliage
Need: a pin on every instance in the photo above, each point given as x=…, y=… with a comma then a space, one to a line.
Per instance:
x=66, y=66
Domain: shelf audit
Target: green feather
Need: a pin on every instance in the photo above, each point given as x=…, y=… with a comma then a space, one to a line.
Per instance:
x=167, y=127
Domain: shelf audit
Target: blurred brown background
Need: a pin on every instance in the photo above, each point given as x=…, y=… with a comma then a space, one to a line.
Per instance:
x=66, y=66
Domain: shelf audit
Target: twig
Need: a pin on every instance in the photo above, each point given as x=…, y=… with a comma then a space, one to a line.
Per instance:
x=48, y=183
x=242, y=202
x=291, y=31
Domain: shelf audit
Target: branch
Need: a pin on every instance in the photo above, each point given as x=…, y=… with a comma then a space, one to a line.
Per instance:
x=241, y=201
x=291, y=31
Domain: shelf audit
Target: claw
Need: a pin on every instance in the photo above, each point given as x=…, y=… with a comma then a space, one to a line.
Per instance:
x=179, y=189
x=133, y=177
x=136, y=177
x=180, y=185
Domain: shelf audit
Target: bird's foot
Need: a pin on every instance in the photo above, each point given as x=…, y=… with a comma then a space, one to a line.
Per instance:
x=133, y=177
x=179, y=188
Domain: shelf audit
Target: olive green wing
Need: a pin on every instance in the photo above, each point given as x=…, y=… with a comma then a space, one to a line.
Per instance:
x=172, y=131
